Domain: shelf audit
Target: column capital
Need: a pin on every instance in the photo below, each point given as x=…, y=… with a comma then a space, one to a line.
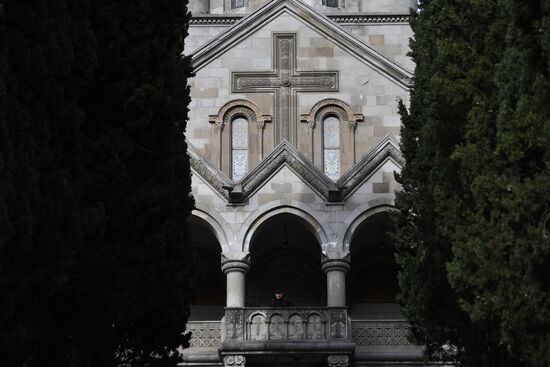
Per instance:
x=342, y=264
x=240, y=265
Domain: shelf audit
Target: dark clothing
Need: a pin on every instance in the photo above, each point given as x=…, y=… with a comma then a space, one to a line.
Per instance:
x=283, y=302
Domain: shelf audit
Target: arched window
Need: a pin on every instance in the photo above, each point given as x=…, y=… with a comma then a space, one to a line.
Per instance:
x=239, y=147
x=331, y=147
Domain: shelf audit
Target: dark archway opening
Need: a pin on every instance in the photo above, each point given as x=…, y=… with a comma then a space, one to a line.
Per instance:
x=284, y=254
x=209, y=289
x=372, y=281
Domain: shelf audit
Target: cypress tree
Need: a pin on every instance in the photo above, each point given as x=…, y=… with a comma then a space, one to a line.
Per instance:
x=39, y=154
x=129, y=299
x=502, y=248
x=474, y=206
x=454, y=48
x=95, y=182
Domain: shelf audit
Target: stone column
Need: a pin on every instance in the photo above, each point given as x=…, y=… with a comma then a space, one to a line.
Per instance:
x=336, y=270
x=235, y=271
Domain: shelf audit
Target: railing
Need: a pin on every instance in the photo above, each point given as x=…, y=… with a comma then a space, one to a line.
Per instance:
x=205, y=334
x=287, y=324
x=296, y=324
x=380, y=332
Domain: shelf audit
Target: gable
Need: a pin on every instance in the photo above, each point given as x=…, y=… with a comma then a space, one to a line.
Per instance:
x=285, y=184
x=270, y=14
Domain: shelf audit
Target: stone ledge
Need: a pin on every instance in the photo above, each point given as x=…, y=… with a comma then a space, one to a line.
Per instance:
x=223, y=19
x=272, y=346
x=389, y=353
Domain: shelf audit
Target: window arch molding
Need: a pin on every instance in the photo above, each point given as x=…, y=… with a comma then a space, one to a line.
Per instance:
x=228, y=113
x=348, y=124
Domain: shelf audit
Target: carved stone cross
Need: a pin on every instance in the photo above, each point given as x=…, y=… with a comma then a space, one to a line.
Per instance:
x=285, y=81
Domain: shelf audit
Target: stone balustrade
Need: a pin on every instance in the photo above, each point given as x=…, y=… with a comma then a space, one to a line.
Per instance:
x=380, y=332
x=287, y=324
x=205, y=334
x=295, y=324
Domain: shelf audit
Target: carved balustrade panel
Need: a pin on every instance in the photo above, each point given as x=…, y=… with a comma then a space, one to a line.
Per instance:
x=204, y=334
x=380, y=332
x=292, y=323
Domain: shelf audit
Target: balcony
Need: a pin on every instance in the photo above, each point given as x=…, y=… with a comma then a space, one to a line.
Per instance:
x=310, y=333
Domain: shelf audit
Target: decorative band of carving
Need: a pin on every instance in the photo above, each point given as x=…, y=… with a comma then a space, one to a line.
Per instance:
x=380, y=332
x=338, y=360
x=204, y=334
x=234, y=360
x=361, y=18
x=348, y=18
x=331, y=105
x=335, y=265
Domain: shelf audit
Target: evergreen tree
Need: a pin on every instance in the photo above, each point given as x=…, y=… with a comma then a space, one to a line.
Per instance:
x=95, y=182
x=500, y=230
x=474, y=205
x=39, y=163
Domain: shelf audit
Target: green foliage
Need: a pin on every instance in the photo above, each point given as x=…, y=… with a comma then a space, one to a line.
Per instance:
x=473, y=226
x=94, y=183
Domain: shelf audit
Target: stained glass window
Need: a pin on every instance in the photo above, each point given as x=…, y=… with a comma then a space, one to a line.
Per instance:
x=331, y=145
x=239, y=148
x=237, y=4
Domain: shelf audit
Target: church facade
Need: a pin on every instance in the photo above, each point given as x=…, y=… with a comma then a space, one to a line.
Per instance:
x=293, y=137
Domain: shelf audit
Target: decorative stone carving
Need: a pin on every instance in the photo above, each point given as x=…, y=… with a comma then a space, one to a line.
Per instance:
x=380, y=333
x=234, y=323
x=204, y=334
x=285, y=81
x=276, y=327
x=315, y=328
x=387, y=148
x=334, y=106
x=294, y=323
x=338, y=360
x=331, y=106
x=338, y=321
x=240, y=265
x=228, y=19
x=286, y=154
x=239, y=106
x=230, y=110
x=257, y=328
x=295, y=327
x=341, y=264
x=214, y=177
x=234, y=360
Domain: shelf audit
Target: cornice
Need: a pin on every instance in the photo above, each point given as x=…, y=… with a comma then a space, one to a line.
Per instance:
x=286, y=155
x=388, y=148
x=367, y=19
x=206, y=170
x=320, y=23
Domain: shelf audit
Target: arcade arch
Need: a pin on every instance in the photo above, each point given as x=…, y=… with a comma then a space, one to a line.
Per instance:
x=208, y=298
x=372, y=280
x=285, y=254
